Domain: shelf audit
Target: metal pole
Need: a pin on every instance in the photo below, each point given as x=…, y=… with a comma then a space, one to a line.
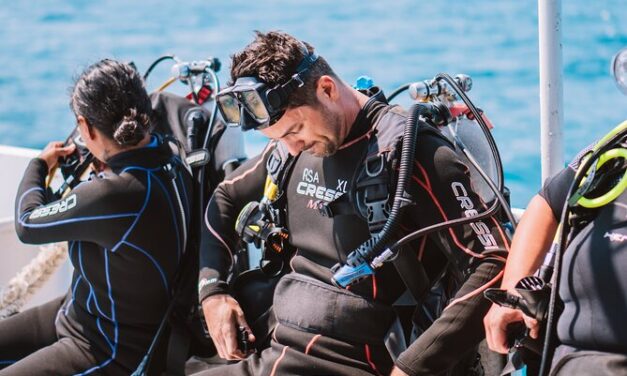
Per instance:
x=551, y=92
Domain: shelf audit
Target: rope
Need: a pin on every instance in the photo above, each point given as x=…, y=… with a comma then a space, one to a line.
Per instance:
x=31, y=278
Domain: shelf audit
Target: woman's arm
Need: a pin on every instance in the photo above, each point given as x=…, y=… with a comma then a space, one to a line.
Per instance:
x=531, y=242
x=92, y=211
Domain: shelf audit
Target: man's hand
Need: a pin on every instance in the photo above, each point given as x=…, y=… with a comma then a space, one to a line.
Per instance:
x=496, y=322
x=397, y=372
x=223, y=315
x=53, y=151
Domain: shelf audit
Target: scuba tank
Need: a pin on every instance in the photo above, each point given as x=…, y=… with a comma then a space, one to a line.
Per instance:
x=442, y=103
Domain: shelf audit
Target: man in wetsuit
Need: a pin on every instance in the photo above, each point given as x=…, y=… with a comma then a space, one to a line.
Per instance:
x=593, y=286
x=321, y=329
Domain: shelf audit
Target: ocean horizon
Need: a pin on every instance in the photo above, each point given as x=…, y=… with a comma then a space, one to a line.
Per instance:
x=45, y=45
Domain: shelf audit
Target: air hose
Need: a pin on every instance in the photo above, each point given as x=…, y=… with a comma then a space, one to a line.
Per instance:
x=156, y=62
x=397, y=91
x=358, y=262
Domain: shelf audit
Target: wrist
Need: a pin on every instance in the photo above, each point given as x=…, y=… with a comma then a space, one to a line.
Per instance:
x=41, y=162
x=215, y=298
x=210, y=286
x=510, y=282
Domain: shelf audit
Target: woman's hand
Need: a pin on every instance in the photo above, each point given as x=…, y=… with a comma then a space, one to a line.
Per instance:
x=533, y=325
x=53, y=151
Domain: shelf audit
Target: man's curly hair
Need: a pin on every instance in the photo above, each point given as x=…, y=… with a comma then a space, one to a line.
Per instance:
x=273, y=58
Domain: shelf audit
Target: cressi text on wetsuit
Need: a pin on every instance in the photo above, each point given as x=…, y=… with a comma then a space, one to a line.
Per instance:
x=323, y=330
x=127, y=231
x=593, y=286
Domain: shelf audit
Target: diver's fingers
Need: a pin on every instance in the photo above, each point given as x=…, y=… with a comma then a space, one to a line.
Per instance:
x=51, y=153
x=534, y=327
x=496, y=323
x=209, y=308
x=241, y=321
x=67, y=150
x=492, y=330
x=230, y=341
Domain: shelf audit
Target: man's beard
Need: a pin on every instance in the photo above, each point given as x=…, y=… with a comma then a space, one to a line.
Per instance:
x=328, y=151
x=333, y=124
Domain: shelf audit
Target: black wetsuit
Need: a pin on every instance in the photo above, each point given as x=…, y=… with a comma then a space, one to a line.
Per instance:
x=326, y=331
x=127, y=231
x=593, y=286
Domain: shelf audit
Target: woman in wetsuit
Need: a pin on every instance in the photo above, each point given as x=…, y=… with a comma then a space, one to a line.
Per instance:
x=127, y=232
x=591, y=330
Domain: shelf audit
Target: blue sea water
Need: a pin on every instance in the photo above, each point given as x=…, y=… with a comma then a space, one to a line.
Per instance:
x=44, y=44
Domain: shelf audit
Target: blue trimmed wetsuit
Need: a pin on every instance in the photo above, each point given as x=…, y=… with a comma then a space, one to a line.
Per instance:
x=127, y=231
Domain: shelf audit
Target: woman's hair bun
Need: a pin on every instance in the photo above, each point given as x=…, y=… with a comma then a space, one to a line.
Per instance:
x=132, y=128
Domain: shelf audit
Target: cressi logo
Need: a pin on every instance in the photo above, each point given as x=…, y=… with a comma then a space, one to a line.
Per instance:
x=308, y=186
x=480, y=229
x=615, y=236
x=56, y=208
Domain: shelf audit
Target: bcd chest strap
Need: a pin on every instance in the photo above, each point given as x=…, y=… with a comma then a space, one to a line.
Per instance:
x=370, y=195
x=374, y=181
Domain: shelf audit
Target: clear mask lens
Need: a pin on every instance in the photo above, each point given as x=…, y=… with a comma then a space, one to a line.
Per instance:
x=229, y=107
x=255, y=105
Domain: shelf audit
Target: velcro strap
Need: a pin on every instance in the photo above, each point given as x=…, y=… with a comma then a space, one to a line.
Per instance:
x=310, y=305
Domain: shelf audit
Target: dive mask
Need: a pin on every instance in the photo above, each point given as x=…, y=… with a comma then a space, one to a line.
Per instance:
x=250, y=104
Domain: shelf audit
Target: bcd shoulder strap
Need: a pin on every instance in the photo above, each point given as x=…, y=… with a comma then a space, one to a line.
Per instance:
x=278, y=167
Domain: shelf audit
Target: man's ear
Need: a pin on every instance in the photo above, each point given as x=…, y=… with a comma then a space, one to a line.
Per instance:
x=327, y=88
x=86, y=131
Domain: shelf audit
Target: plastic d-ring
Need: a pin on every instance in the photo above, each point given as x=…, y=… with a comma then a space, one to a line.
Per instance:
x=613, y=193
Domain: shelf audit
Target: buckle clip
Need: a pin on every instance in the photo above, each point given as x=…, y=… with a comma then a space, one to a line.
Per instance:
x=299, y=81
x=377, y=212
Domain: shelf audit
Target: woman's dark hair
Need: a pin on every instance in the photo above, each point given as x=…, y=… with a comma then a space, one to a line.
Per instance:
x=112, y=98
x=273, y=58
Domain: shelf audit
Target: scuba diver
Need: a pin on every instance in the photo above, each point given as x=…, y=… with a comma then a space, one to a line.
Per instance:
x=578, y=217
x=127, y=228
x=334, y=150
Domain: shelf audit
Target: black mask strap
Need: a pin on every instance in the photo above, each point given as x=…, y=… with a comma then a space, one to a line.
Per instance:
x=279, y=95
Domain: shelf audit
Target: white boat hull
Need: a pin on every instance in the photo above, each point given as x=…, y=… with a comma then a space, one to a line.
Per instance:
x=13, y=254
